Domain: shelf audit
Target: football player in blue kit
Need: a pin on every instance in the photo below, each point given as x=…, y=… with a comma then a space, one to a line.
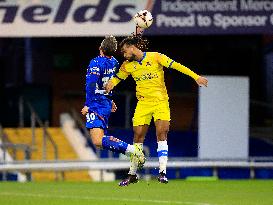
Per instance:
x=99, y=105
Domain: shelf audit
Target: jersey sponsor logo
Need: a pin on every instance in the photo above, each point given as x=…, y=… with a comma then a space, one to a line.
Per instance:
x=147, y=76
x=94, y=69
x=110, y=71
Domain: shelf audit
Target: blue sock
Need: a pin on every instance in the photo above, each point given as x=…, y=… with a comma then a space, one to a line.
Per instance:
x=115, y=146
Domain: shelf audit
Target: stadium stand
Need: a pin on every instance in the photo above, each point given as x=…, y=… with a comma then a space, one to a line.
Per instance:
x=23, y=136
x=82, y=147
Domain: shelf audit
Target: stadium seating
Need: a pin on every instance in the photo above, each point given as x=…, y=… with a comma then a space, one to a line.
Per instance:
x=65, y=152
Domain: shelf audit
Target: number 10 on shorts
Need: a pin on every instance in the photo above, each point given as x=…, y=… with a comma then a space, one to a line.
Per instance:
x=90, y=117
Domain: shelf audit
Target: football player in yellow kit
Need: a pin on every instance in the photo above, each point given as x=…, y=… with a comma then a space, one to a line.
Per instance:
x=147, y=69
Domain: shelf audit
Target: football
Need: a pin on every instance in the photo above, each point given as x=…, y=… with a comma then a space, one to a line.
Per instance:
x=143, y=19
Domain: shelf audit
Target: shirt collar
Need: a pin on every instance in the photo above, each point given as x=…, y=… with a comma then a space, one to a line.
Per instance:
x=144, y=55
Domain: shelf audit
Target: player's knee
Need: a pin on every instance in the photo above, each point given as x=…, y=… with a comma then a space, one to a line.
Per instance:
x=162, y=135
x=139, y=133
x=138, y=138
x=97, y=142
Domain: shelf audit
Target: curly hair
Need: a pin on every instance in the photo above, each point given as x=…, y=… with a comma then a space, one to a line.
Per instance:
x=109, y=45
x=136, y=40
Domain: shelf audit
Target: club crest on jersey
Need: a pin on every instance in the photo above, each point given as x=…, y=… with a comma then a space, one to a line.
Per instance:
x=148, y=63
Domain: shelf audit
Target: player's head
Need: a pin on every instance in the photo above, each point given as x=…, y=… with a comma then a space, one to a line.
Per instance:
x=131, y=45
x=109, y=46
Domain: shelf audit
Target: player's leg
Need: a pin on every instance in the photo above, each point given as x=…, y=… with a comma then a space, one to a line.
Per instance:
x=162, y=124
x=139, y=135
x=140, y=132
x=162, y=128
x=96, y=136
x=100, y=140
x=97, y=125
x=141, y=121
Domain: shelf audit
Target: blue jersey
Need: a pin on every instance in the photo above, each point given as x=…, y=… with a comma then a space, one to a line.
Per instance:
x=100, y=70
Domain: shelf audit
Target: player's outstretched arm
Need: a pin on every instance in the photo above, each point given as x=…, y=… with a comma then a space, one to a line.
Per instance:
x=121, y=75
x=202, y=81
x=169, y=63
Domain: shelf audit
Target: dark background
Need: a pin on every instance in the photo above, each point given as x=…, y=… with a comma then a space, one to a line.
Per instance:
x=59, y=66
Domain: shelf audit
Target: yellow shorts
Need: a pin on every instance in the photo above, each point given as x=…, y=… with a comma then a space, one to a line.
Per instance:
x=144, y=112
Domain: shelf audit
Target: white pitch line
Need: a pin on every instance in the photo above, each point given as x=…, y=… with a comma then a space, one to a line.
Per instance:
x=102, y=198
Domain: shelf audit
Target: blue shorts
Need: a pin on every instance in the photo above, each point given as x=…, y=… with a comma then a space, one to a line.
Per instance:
x=99, y=113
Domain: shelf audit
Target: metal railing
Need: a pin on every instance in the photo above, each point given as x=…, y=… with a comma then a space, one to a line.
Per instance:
x=35, y=119
x=115, y=164
x=6, y=145
x=15, y=147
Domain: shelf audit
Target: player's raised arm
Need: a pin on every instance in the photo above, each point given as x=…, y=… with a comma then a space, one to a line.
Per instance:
x=169, y=63
x=122, y=74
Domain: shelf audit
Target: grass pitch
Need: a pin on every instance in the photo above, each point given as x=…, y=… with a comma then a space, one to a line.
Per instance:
x=222, y=192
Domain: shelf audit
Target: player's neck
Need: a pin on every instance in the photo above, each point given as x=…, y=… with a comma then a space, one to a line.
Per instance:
x=106, y=56
x=139, y=55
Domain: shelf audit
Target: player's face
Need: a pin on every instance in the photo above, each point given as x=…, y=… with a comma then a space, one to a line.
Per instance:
x=128, y=52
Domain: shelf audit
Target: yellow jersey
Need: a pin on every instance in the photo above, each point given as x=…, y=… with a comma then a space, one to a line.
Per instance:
x=148, y=74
